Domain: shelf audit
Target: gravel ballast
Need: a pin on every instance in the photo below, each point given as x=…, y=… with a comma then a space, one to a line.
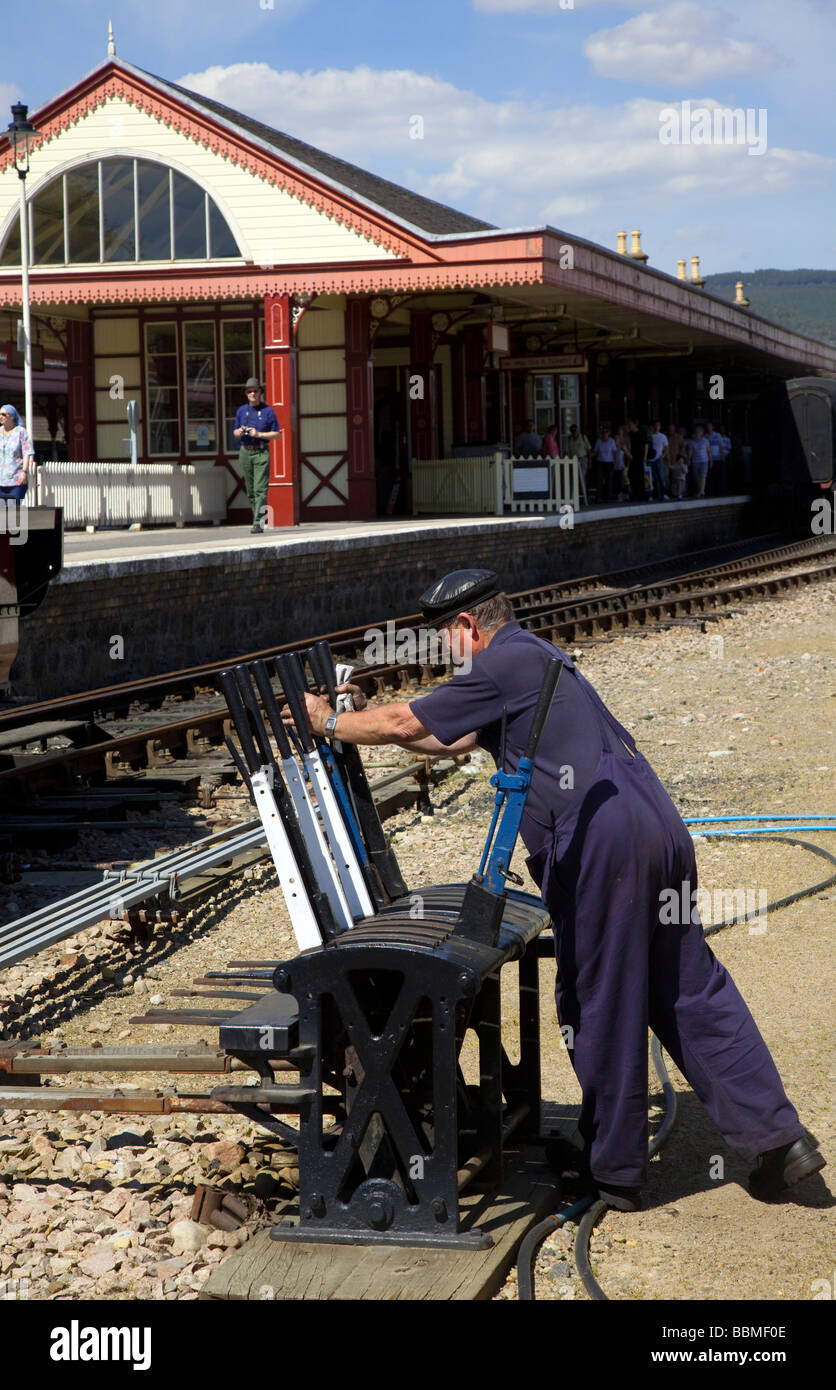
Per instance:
x=740, y=719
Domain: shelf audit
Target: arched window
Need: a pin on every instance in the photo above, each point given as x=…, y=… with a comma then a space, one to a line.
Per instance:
x=117, y=210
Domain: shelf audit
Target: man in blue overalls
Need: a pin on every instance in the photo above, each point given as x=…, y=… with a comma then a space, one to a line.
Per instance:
x=606, y=845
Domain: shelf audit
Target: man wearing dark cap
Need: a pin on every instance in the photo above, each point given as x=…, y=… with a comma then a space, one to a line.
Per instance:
x=255, y=426
x=607, y=846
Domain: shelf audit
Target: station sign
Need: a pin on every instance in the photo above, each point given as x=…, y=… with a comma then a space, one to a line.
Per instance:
x=497, y=337
x=552, y=362
x=15, y=360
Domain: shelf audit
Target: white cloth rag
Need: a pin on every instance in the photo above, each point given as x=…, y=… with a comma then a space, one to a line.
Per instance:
x=346, y=700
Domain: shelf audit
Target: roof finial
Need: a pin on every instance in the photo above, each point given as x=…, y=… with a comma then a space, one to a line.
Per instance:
x=111, y=46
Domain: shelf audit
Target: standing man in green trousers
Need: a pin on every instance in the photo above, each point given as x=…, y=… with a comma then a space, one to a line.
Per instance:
x=255, y=426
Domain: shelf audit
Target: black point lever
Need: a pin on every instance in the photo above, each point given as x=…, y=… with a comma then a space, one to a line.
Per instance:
x=291, y=673
x=271, y=707
x=229, y=689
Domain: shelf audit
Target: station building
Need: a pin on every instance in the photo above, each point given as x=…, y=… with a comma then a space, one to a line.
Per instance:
x=179, y=247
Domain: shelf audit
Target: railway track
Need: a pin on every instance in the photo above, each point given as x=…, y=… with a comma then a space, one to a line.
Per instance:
x=156, y=691
x=116, y=734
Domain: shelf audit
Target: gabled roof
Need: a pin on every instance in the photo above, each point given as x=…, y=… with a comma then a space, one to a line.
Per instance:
x=422, y=213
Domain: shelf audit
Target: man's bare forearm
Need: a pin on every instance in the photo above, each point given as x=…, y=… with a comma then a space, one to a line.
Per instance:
x=430, y=744
x=374, y=726
x=382, y=724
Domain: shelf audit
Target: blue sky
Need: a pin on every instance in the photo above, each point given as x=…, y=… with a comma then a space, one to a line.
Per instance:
x=531, y=111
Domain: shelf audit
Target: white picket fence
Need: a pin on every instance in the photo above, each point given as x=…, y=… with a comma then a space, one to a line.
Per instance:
x=559, y=477
x=116, y=494
x=457, y=485
x=493, y=485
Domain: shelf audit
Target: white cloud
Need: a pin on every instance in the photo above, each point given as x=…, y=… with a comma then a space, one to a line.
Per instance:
x=9, y=93
x=516, y=162
x=680, y=45
x=351, y=113
x=553, y=6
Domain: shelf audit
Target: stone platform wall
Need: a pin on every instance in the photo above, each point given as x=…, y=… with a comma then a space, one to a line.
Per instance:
x=181, y=609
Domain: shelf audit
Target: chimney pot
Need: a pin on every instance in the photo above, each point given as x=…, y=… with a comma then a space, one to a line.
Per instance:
x=636, y=252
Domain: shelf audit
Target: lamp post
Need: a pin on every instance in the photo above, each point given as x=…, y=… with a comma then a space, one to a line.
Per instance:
x=22, y=135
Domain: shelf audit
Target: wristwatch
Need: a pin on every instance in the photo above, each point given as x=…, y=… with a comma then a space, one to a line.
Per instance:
x=331, y=724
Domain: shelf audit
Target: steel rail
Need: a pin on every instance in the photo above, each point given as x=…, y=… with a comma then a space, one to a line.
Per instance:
x=349, y=639
x=122, y=889
x=685, y=595
x=683, y=599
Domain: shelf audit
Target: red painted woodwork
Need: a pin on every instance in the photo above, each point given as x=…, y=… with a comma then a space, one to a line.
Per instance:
x=81, y=441
x=459, y=403
x=422, y=410
x=281, y=394
x=359, y=399
x=475, y=388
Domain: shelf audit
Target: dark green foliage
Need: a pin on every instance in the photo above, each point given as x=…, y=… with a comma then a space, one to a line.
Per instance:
x=802, y=300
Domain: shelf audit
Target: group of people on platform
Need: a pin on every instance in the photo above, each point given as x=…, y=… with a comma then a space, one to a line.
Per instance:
x=639, y=463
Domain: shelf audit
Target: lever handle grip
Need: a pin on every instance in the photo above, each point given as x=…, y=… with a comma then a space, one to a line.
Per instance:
x=321, y=661
x=229, y=689
x=257, y=725
x=544, y=704
x=291, y=675
x=271, y=706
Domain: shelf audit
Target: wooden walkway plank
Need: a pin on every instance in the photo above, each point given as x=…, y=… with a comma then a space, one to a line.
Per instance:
x=290, y=1270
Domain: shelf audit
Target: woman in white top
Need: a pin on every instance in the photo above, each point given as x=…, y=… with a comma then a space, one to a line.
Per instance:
x=16, y=455
x=603, y=457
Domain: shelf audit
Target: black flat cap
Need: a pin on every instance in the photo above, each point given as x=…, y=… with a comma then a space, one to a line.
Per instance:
x=456, y=593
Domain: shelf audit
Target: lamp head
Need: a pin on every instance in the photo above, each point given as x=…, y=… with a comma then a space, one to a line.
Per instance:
x=22, y=135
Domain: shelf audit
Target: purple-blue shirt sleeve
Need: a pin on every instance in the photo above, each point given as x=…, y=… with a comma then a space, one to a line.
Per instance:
x=463, y=705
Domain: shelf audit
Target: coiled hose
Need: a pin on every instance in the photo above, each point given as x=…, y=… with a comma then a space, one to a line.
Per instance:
x=592, y=1210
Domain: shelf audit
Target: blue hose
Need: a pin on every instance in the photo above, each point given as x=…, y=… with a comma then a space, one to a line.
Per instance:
x=760, y=830
x=711, y=820
x=746, y=824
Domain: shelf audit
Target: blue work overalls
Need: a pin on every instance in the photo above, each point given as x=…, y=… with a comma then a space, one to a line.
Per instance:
x=620, y=970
